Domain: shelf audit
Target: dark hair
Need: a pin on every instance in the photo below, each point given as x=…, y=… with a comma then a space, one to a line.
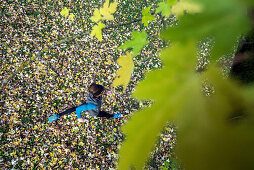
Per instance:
x=95, y=89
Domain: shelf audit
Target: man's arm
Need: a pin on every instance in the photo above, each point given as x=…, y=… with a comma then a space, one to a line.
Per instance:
x=108, y=91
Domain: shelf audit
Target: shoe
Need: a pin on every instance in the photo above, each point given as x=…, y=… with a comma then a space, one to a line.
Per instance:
x=52, y=118
x=117, y=115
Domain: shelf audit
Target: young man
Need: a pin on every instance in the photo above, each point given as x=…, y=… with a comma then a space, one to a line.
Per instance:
x=92, y=105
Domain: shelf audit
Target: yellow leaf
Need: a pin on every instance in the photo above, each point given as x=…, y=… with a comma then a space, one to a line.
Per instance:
x=13, y=153
x=179, y=8
x=124, y=73
x=45, y=49
x=108, y=10
x=96, y=16
x=97, y=31
x=51, y=154
x=65, y=12
x=81, y=144
x=71, y=16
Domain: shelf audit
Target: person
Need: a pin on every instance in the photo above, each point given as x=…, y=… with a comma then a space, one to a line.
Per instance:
x=92, y=105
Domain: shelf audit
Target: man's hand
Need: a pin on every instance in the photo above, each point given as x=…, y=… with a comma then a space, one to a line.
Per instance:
x=81, y=120
x=109, y=92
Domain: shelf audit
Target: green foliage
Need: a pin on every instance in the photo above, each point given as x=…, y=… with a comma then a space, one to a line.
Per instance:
x=223, y=20
x=169, y=95
x=209, y=135
x=147, y=17
x=165, y=7
x=137, y=43
x=185, y=7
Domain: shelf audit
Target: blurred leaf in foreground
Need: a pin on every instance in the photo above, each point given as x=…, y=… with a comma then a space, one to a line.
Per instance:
x=168, y=90
x=147, y=17
x=185, y=6
x=137, y=43
x=124, y=73
x=224, y=20
x=218, y=132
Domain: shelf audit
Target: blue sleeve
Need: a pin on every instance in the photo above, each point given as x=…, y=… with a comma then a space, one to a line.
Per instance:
x=84, y=107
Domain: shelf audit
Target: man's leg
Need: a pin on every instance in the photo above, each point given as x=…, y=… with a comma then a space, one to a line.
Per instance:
x=57, y=116
x=104, y=114
x=68, y=111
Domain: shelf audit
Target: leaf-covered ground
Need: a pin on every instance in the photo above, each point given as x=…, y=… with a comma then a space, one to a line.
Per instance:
x=52, y=60
x=60, y=60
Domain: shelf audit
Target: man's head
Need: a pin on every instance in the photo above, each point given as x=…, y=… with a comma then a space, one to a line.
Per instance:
x=96, y=89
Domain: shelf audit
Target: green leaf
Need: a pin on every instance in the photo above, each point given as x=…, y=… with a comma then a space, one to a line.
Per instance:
x=168, y=90
x=137, y=43
x=96, y=31
x=166, y=164
x=147, y=17
x=165, y=7
x=224, y=20
x=212, y=137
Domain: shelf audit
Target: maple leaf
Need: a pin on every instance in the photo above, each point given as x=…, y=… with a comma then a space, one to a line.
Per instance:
x=96, y=16
x=138, y=42
x=65, y=12
x=147, y=16
x=124, y=73
x=107, y=10
x=71, y=16
x=165, y=7
x=96, y=31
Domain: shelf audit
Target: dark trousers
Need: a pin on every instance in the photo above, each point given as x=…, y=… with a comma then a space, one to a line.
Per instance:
x=104, y=114
x=68, y=111
x=73, y=109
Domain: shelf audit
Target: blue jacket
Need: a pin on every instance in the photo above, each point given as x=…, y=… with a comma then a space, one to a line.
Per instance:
x=95, y=101
x=93, y=106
